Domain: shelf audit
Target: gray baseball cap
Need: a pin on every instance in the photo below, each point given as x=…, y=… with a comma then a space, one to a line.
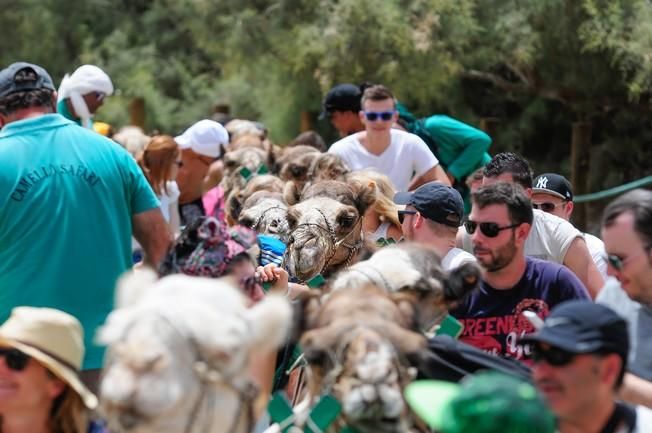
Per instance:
x=11, y=82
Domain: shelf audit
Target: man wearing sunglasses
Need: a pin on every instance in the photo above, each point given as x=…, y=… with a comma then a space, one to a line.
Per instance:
x=341, y=108
x=580, y=355
x=432, y=215
x=202, y=145
x=499, y=224
x=402, y=156
x=553, y=193
x=82, y=93
x=627, y=234
x=551, y=238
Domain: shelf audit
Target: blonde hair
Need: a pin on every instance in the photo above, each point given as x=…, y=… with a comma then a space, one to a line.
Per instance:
x=69, y=414
x=157, y=159
x=384, y=205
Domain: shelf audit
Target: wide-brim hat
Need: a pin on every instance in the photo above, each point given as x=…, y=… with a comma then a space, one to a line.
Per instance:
x=53, y=338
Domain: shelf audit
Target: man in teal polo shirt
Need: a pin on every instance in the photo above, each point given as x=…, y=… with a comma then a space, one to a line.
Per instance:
x=69, y=202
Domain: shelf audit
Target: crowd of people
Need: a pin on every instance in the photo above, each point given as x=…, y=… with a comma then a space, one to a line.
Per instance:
x=81, y=206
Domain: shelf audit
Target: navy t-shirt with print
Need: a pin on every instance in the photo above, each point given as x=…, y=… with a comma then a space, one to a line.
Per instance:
x=493, y=319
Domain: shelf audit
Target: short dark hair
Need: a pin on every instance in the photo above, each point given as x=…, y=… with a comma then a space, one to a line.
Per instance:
x=639, y=203
x=377, y=92
x=510, y=163
x=511, y=195
x=27, y=99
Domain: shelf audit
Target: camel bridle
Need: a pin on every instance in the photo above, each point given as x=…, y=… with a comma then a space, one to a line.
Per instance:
x=336, y=243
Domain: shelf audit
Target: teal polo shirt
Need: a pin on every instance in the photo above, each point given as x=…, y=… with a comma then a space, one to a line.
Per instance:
x=67, y=195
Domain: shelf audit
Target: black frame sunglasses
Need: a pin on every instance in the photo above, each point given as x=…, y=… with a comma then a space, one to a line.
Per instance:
x=547, y=206
x=618, y=263
x=553, y=355
x=402, y=213
x=373, y=116
x=489, y=229
x=14, y=358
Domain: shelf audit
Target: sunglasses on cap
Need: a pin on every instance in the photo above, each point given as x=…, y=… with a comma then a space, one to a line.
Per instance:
x=402, y=213
x=373, y=116
x=547, y=206
x=14, y=358
x=552, y=355
x=489, y=229
x=618, y=263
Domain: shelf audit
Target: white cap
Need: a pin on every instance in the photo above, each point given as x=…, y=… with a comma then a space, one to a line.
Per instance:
x=205, y=137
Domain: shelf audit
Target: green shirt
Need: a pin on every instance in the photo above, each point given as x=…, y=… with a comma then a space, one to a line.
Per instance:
x=67, y=195
x=62, y=109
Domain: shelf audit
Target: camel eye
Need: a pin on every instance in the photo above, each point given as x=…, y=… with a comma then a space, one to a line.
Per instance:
x=292, y=221
x=346, y=219
x=230, y=163
x=246, y=221
x=297, y=170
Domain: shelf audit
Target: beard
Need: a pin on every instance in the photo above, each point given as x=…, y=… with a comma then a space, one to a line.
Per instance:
x=498, y=258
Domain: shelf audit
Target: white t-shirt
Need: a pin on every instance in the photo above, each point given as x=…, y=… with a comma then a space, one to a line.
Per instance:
x=549, y=238
x=406, y=156
x=172, y=197
x=456, y=257
x=596, y=248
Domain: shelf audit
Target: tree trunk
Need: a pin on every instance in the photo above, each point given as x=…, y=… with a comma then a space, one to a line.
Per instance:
x=580, y=158
x=137, y=112
x=306, y=121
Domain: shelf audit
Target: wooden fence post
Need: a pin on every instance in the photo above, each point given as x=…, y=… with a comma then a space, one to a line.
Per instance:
x=137, y=112
x=580, y=165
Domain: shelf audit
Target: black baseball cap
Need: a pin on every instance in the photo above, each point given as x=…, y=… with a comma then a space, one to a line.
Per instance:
x=582, y=326
x=9, y=83
x=555, y=184
x=343, y=97
x=435, y=201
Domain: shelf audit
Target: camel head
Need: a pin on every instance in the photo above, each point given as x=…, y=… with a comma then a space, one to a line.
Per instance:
x=325, y=226
x=242, y=165
x=177, y=355
x=266, y=213
x=294, y=163
x=356, y=345
x=415, y=272
x=236, y=198
x=328, y=166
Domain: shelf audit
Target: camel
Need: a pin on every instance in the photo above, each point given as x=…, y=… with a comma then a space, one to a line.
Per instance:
x=178, y=350
x=294, y=163
x=242, y=165
x=415, y=271
x=266, y=213
x=325, y=222
x=356, y=343
x=235, y=199
x=328, y=166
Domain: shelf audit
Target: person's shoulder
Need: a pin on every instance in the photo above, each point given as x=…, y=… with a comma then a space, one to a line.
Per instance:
x=343, y=144
x=552, y=270
x=550, y=222
x=405, y=138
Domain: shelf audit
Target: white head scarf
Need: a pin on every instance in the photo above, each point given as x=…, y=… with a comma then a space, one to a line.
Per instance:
x=85, y=79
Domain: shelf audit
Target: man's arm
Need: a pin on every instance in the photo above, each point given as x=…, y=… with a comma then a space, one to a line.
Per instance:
x=578, y=259
x=151, y=232
x=636, y=390
x=435, y=173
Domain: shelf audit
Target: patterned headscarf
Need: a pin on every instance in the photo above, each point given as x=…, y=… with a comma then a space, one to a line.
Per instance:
x=206, y=248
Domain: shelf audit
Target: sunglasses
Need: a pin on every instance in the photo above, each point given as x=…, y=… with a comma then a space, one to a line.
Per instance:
x=553, y=355
x=402, y=213
x=490, y=230
x=99, y=96
x=618, y=263
x=547, y=206
x=15, y=359
x=373, y=116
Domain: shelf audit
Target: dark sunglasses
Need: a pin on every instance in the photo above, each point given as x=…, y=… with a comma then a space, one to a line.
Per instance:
x=490, y=230
x=14, y=359
x=402, y=213
x=618, y=263
x=553, y=355
x=373, y=116
x=547, y=206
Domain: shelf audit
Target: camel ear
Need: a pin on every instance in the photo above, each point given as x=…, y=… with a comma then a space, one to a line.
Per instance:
x=461, y=281
x=291, y=193
x=235, y=206
x=271, y=161
x=365, y=195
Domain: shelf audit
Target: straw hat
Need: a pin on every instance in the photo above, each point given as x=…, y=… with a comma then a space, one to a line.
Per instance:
x=53, y=338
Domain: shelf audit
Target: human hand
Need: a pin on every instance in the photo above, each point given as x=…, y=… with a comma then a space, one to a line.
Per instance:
x=271, y=273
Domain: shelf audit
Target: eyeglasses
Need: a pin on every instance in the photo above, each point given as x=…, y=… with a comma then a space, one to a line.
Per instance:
x=490, y=230
x=15, y=359
x=618, y=263
x=99, y=96
x=402, y=213
x=547, y=206
x=373, y=116
x=553, y=355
